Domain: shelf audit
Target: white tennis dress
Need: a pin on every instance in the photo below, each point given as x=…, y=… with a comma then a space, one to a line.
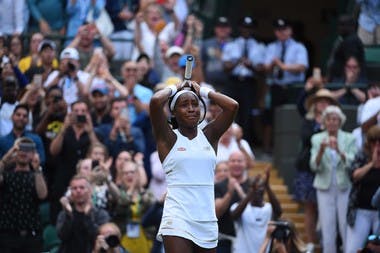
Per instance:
x=189, y=209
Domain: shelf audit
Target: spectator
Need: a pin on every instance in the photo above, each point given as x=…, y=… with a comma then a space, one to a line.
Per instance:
x=146, y=75
x=346, y=44
x=362, y=217
x=100, y=107
x=33, y=98
x=120, y=134
x=138, y=96
x=122, y=14
x=9, y=69
x=134, y=201
x=16, y=49
x=77, y=228
x=9, y=89
x=222, y=171
x=108, y=239
x=369, y=22
x=85, y=42
x=252, y=214
x=69, y=77
x=211, y=53
x=243, y=59
x=46, y=52
x=77, y=12
x=47, y=16
x=191, y=34
x=303, y=182
x=332, y=152
x=68, y=147
x=353, y=75
x=19, y=121
x=286, y=62
x=121, y=159
x=171, y=68
x=12, y=17
x=20, y=226
x=228, y=192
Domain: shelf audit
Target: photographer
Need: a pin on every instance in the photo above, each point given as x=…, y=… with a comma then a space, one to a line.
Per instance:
x=69, y=77
x=20, y=179
x=108, y=239
x=282, y=237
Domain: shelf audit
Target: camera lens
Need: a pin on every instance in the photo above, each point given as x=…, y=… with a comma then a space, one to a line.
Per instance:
x=112, y=241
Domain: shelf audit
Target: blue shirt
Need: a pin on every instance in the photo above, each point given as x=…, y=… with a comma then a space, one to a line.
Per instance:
x=143, y=94
x=369, y=16
x=295, y=53
x=7, y=141
x=234, y=50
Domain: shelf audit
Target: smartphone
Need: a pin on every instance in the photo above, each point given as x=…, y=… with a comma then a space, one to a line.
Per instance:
x=37, y=80
x=81, y=118
x=94, y=164
x=27, y=147
x=317, y=74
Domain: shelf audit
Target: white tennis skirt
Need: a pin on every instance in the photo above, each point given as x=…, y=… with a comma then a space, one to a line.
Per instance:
x=202, y=233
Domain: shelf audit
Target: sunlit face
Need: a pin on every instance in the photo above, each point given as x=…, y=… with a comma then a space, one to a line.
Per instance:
x=129, y=173
x=129, y=71
x=237, y=164
x=80, y=191
x=221, y=171
x=85, y=167
x=332, y=122
x=98, y=154
x=121, y=159
x=187, y=110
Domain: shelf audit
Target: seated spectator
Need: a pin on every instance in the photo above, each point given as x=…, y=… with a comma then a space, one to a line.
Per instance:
x=252, y=214
x=120, y=134
x=134, y=201
x=9, y=90
x=349, y=93
x=282, y=237
x=33, y=58
x=47, y=16
x=85, y=42
x=332, y=152
x=363, y=218
x=77, y=228
x=108, y=239
x=46, y=52
x=346, y=44
x=20, y=226
x=19, y=122
x=69, y=77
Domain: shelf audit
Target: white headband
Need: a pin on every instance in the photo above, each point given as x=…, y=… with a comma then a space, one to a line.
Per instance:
x=176, y=96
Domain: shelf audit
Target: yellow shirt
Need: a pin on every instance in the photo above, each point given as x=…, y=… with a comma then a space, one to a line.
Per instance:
x=25, y=62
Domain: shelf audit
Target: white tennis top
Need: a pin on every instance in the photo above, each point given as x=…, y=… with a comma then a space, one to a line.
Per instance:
x=189, y=169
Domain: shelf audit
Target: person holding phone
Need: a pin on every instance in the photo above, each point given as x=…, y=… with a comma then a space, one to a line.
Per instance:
x=188, y=154
x=20, y=178
x=69, y=146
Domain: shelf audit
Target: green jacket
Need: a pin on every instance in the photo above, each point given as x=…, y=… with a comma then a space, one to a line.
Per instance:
x=323, y=172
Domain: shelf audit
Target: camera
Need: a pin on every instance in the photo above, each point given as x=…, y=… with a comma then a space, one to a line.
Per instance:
x=282, y=231
x=71, y=66
x=81, y=118
x=56, y=99
x=112, y=241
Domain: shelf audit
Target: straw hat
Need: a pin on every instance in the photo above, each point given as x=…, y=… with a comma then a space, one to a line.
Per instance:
x=320, y=94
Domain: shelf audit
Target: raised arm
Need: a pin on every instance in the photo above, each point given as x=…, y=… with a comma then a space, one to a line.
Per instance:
x=165, y=137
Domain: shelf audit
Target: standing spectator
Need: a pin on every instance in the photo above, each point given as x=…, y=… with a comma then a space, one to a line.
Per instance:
x=77, y=228
x=9, y=90
x=100, y=108
x=12, y=17
x=369, y=22
x=211, y=53
x=33, y=98
x=222, y=171
x=77, y=12
x=332, y=152
x=228, y=192
x=146, y=75
x=243, y=58
x=22, y=188
x=303, y=183
x=346, y=44
x=252, y=214
x=19, y=121
x=286, y=61
x=122, y=14
x=363, y=218
x=86, y=42
x=47, y=16
x=70, y=78
x=68, y=147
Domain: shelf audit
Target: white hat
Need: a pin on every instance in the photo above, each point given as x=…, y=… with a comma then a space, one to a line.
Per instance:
x=69, y=53
x=173, y=50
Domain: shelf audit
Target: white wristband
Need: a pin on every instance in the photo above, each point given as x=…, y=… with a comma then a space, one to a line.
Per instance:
x=173, y=89
x=204, y=91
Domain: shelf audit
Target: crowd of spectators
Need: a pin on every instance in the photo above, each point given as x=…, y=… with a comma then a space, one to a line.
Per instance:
x=75, y=133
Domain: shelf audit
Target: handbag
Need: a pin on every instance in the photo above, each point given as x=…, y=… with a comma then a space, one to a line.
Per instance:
x=103, y=22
